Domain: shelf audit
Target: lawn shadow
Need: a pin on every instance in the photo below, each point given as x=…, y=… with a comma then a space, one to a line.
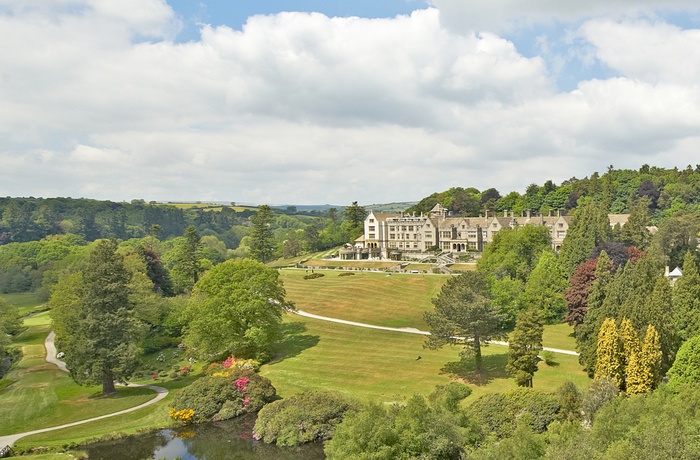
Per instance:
x=494, y=367
x=293, y=341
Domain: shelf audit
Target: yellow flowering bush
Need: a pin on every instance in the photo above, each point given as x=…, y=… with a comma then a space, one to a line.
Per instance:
x=184, y=415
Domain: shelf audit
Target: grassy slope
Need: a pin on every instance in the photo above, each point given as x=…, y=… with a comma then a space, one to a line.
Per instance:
x=26, y=302
x=36, y=394
x=382, y=365
x=375, y=298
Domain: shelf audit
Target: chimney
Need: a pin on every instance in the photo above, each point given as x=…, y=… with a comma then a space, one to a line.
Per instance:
x=505, y=213
x=528, y=213
x=551, y=213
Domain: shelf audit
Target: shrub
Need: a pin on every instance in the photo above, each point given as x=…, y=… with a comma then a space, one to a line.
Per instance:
x=498, y=413
x=304, y=417
x=313, y=275
x=346, y=274
x=222, y=397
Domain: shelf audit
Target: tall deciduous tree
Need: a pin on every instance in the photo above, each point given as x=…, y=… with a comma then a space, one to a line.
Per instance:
x=236, y=309
x=464, y=315
x=95, y=322
x=262, y=240
x=515, y=252
x=524, y=346
x=545, y=289
x=577, y=294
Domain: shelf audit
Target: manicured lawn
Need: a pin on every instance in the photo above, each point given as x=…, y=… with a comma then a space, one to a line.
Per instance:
x=352, y=264
x=382, y=366
x=375, y=298
x=42, y=396
x=559, y=336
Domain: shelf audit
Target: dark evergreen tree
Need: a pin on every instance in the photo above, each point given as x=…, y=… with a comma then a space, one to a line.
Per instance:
x=524, y=347
x=94, y=320
x=464, y=315
x=262, y=241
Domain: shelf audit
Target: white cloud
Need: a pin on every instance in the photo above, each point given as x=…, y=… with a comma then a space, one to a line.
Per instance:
x=301, y=108
x=506, y=15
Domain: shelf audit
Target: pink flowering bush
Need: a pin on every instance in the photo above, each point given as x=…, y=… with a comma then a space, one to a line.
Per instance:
x=221, y=397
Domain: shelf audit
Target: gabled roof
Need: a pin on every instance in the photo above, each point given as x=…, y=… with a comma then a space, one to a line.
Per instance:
x=676, y=273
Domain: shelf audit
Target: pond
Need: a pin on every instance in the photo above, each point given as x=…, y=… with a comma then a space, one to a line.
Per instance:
x=226, y=440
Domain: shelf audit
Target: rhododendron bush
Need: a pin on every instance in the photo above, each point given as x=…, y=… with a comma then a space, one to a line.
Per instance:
x=223, y=395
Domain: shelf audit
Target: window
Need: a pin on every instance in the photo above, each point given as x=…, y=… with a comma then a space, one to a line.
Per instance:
x=561, y=235
x=371, y=235
x=371, y=228
x=392, y=236
x=371, y=221
x=392, y=228
x=410, y=228
x=561, y=225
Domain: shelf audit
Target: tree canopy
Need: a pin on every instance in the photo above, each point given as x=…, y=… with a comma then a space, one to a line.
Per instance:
x=94, y=320
x=464, y=315
x=235, y=309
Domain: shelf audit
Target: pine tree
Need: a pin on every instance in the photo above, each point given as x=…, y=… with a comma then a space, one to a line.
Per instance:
x=545, y=289
x=609, y=353
x=658, y=312
x=524, y=346
x=262, y=241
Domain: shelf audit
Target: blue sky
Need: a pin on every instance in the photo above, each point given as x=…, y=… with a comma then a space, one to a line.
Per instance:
x=369, y=101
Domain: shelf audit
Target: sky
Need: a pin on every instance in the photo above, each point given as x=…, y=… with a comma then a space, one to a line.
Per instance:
x=315, y=102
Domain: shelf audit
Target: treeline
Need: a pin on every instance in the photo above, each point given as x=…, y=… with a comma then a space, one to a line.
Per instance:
x=37, y=234
x=668, y=191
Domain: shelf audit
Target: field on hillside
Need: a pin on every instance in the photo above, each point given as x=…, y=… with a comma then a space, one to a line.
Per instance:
x=379, y=365
x=210, y=206
x=377, y=298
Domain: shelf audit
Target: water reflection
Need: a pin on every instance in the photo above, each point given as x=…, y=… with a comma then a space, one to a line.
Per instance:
x=229, y=440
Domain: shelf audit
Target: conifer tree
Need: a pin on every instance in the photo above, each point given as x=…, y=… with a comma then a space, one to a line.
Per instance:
x=262, y=241
x=630, y=347
x=609, y=354
x=95, y=322
x=651, y=355
x=589, y=227
x=545, y=289
x=686, y=299
x=634, y=232
x=524, y=346
x=587, y=332
x=658, y=312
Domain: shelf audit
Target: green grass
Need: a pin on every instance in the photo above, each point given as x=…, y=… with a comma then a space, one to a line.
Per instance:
x=380, y=365
x=559, y=336
x=26, y=302
x=42, y=396
x=350, y=264
x=151, y=417
x=374, y=298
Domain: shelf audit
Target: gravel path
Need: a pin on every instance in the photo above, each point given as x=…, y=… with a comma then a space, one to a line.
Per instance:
x=409, y=330
x=9, y=440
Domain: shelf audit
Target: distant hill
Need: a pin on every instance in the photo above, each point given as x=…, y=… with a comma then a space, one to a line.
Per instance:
x=390, y=207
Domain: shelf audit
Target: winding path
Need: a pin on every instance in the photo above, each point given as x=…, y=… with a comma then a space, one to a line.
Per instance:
x=408, y=330
x=9, y=440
